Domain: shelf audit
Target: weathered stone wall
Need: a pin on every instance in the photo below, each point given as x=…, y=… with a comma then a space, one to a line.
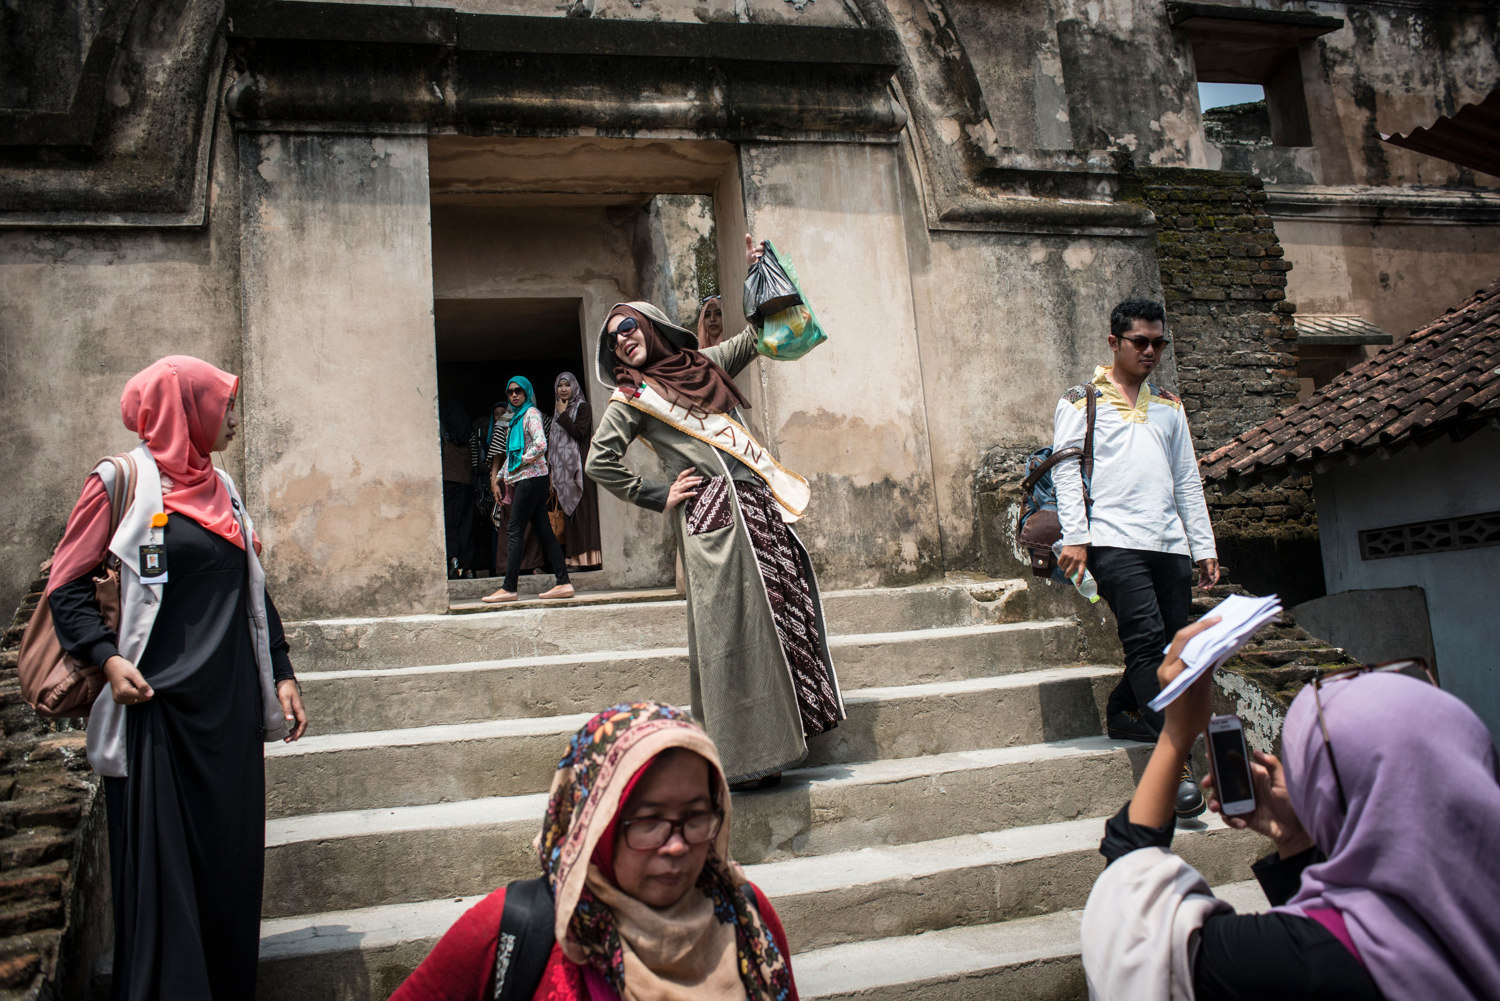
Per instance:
x=81, y=311
x=1224, y=279
x=54, y=887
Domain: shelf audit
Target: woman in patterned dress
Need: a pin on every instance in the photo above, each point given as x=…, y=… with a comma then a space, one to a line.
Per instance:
x=761, y=675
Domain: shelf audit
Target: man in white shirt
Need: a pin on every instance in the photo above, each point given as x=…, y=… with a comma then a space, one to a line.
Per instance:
x=1147, y=522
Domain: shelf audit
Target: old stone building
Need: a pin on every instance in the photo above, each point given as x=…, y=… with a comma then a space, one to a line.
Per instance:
x=363, y=208
x=339, y=200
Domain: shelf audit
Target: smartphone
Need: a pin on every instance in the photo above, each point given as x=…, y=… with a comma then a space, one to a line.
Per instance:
x=1230, y=760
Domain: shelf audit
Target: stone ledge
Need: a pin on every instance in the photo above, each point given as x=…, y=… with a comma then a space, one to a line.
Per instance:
x=307, y=64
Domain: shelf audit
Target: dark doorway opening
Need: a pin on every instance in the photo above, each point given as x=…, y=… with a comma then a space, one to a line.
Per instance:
x=481, y=345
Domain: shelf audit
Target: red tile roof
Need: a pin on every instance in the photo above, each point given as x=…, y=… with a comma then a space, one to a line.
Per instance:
x=1442, y=380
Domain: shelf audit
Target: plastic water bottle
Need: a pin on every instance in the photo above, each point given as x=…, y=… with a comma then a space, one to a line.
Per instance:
x=1085, y=585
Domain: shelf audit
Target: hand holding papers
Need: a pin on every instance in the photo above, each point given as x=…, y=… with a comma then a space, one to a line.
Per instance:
x=1239, y=618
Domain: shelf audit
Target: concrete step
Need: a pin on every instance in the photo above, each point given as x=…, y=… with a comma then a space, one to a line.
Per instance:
x=1003, y=886
x=434, y=764
x=1032, y=958
x=587, y=583
x=374, y=698
x=363, y=858
x=593, y=622
x=971, y=879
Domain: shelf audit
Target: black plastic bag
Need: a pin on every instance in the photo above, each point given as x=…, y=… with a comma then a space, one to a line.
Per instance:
x=768, y=289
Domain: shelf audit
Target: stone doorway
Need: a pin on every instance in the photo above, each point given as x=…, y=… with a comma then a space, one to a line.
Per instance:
x=533, y=241
x=481, y=345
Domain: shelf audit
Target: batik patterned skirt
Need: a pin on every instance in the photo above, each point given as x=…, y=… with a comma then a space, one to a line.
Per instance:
x=792, y=607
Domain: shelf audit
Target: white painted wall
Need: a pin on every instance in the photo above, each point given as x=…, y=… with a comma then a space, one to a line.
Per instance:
x=1463, y=587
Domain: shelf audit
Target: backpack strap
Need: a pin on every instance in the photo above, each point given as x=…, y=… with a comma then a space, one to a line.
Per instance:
x=526, y=940
x=1088, y=447
x=1072, y=452
x=1045, y=466
x=120, y=489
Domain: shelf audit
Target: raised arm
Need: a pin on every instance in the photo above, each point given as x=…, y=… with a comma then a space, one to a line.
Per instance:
x=606, y=459
x=736, y=353
x=578, y=428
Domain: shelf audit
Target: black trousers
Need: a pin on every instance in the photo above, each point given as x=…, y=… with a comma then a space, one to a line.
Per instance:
x=458, y=523
x=1151, y=595
x=529, y=506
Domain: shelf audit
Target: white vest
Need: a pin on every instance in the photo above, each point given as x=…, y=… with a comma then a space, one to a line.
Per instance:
x=140, y=601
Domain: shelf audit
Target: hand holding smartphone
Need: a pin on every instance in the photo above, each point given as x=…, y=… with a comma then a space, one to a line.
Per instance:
x=1229, y=759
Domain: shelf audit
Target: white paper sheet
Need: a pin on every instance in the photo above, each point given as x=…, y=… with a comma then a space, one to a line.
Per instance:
x=1240, y=617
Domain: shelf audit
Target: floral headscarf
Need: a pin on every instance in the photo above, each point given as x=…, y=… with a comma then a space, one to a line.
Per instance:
x=591, y=784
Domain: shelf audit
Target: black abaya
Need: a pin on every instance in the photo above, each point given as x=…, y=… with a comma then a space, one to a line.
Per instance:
x=187, y=825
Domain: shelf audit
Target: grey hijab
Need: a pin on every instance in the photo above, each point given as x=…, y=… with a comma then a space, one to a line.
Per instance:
x=563, y=457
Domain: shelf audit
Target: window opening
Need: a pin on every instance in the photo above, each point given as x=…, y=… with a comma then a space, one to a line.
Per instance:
x=1438, y=536
x=1252, y=47
x=1235, y=114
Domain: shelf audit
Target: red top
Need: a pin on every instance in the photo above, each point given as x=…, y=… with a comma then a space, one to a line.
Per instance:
x=460, y=965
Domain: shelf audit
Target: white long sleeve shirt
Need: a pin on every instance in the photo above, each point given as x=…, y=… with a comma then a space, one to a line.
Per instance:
x=1145, y=489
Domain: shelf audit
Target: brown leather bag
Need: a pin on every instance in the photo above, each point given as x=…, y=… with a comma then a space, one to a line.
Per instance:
x=555, y=514
x=1037, y=527
x=54, y=682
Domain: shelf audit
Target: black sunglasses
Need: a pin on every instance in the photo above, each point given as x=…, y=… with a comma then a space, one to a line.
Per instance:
x=626, y=326
x=1142, y=343
x=1401, y=666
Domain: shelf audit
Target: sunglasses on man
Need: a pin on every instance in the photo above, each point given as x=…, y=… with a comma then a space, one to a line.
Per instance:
x=1142, y=343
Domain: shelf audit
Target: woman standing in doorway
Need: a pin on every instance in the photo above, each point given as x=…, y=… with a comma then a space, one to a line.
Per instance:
x=710, y=322
x=762, y=679
x=572, y=429
x=198, y=677
x=527, y=483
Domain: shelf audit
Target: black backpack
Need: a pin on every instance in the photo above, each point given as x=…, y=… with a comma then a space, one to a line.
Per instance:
x=527, y=937
x=1037, y=526
x=526, y=940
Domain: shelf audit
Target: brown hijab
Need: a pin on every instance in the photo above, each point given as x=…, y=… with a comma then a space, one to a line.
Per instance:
x=681, y=375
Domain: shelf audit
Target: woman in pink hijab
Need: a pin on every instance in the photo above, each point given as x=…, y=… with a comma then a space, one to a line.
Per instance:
x=198, y=678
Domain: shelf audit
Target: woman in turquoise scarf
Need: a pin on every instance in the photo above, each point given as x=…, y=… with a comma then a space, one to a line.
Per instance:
x=527, y=484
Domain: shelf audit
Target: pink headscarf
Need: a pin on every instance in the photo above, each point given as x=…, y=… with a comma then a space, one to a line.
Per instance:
x=177, y=406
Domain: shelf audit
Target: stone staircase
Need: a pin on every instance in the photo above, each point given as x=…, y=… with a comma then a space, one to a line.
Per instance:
x=941, y=840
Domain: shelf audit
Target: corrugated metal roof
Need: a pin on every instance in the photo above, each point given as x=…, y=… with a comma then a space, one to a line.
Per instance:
x=1470, y=138
x=1338, y=328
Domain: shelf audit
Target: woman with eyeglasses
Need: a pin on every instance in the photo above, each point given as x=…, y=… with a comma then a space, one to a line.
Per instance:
x=640, y=898
x=1386, y=823
x=761, y=676
x=527, y=481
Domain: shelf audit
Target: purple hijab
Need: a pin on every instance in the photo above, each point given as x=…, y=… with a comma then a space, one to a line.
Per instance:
x=1415, y=868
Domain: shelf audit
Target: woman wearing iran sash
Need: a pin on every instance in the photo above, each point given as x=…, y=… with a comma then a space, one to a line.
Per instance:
x=762, y=679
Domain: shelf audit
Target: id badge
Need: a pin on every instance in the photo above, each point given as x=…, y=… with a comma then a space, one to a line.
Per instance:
x=153, y=564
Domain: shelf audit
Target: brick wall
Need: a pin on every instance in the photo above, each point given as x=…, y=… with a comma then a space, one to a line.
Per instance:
x=1223, y=276
x=49, y=867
